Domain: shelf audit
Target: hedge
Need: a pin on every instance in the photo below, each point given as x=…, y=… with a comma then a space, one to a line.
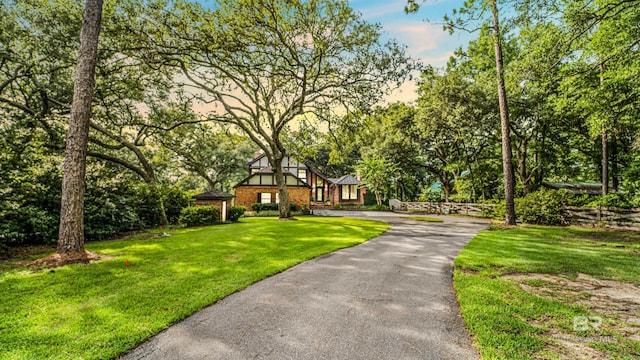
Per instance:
x=236, y=212
x=271, y=207
x=199, y=215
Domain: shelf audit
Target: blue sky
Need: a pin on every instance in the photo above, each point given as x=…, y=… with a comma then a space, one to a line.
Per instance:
x=421, y=32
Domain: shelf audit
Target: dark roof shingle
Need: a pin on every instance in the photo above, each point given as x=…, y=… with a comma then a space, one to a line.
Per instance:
x=213, y=195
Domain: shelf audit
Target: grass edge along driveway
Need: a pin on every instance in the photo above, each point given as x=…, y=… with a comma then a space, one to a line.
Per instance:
x=104, y=309
x=507, y=322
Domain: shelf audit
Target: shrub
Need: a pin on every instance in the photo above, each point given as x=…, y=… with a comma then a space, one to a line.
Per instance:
x=270, y=213
x=543, y=207
x=236, y=212
x=175, y=199
x=379, y=207
x=610, y=200
x=257, y=207
x=199, y=215
x=263, y=213
x=429, y=195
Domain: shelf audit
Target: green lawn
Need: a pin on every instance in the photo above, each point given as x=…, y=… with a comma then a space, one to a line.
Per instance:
x=508, y=322
x=102, y=310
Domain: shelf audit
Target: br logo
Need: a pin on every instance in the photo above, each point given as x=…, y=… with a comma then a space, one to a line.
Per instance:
x=584, y=323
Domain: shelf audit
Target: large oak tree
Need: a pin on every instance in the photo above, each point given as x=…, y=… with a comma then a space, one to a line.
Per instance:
x=268, y=63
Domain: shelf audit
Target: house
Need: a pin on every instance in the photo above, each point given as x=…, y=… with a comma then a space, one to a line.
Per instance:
x=219, y=199
x=306, y=186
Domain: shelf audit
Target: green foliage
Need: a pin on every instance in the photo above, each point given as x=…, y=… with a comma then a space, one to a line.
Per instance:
x=258, y=207
x=167, y=280
x=544, y=207
x=430, y=195
x=464, y=191
x=263, y=213
x=199, y=215
x=373, y=207
x=610, y=200
x=377, y=173
x=174, y=199
x=235, y=212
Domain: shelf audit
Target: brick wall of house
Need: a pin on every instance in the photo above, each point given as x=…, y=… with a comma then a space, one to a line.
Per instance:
x=335, y=196
x=247, y=195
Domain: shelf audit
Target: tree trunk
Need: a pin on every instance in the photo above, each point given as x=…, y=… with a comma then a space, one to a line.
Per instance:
x=447, y=190
x=71, y=235
x=378, y=198
x=615, y=173
x=605, y=147
x=163, y=213
x=283, y=194
x=507, y=164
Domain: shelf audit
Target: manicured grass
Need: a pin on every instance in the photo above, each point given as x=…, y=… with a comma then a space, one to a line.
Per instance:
x=104, y=309
x=422, y=218
x=509, y=323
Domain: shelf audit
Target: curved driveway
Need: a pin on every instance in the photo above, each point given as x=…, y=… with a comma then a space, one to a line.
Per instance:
x=388, y=298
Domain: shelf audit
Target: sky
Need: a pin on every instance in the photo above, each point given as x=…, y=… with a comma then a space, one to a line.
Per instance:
x=421, y=32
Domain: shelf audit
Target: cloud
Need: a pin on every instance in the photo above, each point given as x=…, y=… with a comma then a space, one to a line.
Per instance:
x=373, y=11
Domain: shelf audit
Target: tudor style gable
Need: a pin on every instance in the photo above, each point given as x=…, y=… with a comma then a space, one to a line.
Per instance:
x=306, y=186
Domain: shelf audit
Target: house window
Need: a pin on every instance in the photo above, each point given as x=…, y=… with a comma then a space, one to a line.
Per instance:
x=349, y=192
x=302, y=174
x=319, y=194
x=277, y=198
x=265, y=198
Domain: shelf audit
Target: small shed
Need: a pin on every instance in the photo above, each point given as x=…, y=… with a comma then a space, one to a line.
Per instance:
x=217, y=198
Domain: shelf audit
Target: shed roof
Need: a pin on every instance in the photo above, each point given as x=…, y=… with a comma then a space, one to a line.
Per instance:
x=213, y=195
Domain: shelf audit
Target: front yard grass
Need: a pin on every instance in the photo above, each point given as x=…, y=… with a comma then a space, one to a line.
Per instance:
x=104, y=309
x=521, y=289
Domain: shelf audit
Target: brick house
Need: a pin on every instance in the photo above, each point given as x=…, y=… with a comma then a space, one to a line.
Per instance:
x=219, y=199
x=306, y=186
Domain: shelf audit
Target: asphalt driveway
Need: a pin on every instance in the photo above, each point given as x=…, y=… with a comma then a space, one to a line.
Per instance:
x=389, y=298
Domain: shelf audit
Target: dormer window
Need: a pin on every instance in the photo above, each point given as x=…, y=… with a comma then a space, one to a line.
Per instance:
x=302, y=174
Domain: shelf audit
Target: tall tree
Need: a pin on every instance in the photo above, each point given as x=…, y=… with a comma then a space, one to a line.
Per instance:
x=391, y=133
x=456, y=122
x=267, y=63
x=377, y=174
x=465, y=18
x=70, y=247
x=37, y=82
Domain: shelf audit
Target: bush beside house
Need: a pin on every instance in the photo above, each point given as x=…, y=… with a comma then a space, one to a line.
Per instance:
x=199, y=215
x=236, y=212
x=258, y=207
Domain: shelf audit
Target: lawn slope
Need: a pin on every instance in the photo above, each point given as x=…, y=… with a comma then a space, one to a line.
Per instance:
x=104, y=309
x=521, y=289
